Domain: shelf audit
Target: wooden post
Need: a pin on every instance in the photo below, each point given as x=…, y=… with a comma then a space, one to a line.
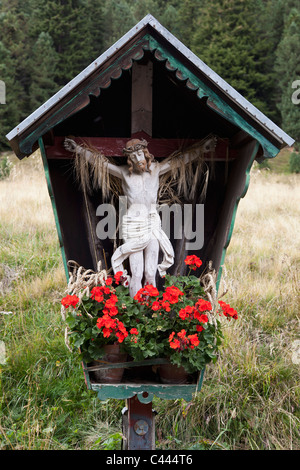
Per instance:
x=141, y=101
x=138, y=425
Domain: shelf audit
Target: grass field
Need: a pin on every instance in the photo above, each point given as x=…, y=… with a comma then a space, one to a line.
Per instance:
x=249, y=399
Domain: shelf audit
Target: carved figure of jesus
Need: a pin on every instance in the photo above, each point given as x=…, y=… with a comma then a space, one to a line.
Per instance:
x=141, y=225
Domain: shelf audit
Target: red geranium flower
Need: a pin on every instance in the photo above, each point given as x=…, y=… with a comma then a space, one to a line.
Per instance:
x=122, y=333
x=106, y=321
x=186, y=312
x=97, y=293
x=174, y=343
x=203, y=305
x=106, y=332
x=111, y=326
x=150, y=290
x=111, y=302
x=193, y=261
x=194, y=340
x=70, y=300
x=203, y=318
x=182, y=341
x=172, y=294
x=228, y=311
x=181, y=334
x=118, y=277
x=121, y=336
x=134, y=331
x=145, y=292
x=166, y=306
x=111, y=311
x=108, y=281
x=156, y=305
x=121, y=326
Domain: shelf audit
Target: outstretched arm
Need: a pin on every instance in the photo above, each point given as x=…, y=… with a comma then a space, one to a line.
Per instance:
x=71, y=146
x=188, y=156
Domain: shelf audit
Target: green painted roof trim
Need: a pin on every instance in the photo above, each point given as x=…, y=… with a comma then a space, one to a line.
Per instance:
x=270, y=151
x=203, y=90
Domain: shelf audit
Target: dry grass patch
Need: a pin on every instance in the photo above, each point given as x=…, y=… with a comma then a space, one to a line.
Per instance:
x=24, y=199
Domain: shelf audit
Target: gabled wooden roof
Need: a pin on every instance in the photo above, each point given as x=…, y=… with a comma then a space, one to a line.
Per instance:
x=148, y=34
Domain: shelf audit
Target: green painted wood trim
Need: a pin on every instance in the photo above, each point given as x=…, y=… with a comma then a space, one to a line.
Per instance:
x=200, y=380
x=123, y=391
x=247, y=182
x=144, y=392
x=51, y=194
x=226, y=111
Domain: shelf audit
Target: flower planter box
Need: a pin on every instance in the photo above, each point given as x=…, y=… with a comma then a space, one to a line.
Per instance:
x=134, y=382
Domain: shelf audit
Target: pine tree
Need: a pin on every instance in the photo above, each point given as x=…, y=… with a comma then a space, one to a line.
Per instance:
x=230, y=41
x=14, y=51
x=36, y=67
x=42, y=65
x=189, y=12
x=141, y=8
x=287, y=69
x=9, y=112
x=68, y=22
x=118, y=19
x=270, y=22
x=95, y=26
x=170, y=19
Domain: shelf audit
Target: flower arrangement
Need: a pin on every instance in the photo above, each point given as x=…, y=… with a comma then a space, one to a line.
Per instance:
x=97, y=317
x=181, y=323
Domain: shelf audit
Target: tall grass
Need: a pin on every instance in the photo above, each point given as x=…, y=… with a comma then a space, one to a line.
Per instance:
x=249, y=399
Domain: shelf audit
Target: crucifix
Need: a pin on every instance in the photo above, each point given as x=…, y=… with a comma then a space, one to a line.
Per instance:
x=140, y=177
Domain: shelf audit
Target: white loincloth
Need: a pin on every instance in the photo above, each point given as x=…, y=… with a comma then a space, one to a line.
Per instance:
x=137, y=233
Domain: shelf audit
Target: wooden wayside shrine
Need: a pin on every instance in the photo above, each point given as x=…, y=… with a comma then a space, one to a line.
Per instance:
x=146, y=85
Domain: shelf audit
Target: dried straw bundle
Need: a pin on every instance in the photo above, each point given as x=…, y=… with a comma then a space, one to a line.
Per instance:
x=81, y=281
x=91, y=169
x=181, y=182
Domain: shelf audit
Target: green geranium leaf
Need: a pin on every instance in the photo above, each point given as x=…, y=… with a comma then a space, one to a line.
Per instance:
x=79, y=341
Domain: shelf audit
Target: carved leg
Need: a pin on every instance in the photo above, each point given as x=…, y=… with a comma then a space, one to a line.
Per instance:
x=136, y=261
x=151, y=261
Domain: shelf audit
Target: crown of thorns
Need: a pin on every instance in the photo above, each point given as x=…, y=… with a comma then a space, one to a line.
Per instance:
x=134, y=146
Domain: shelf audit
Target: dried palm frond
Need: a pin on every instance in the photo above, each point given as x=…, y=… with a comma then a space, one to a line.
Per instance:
x=184, y=179
x=91, y=168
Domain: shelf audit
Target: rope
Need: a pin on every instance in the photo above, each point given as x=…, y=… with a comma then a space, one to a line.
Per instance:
x=209, y=284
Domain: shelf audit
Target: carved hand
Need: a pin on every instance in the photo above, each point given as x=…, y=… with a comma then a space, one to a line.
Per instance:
x=70, y=144
x=210, y=144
